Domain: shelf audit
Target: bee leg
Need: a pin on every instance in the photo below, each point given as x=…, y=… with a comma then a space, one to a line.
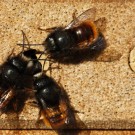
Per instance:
x=74, y=110
x=25, y=38
x=50, y=60
x=11, y=54
x=1, y=113
x=15, y=105
x=23, y=45
x=1, y=92
x=39, y=118
x=74, y=16
x=56, y=67
x=33, y=103
x=50, y=67
x=26, y=45
x=48, y=29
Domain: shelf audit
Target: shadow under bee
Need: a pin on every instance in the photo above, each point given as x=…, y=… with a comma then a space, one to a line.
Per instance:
x=12, y=111
x=16, y=104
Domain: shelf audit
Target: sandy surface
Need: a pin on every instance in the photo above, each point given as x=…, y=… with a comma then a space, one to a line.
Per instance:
x=103, y=93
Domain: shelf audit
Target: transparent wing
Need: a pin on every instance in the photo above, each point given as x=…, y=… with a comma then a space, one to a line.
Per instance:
x=88, y=14
x=6, y=97
x=103, y=53
x=64, y=100
x=108, y=56
x=101, y=24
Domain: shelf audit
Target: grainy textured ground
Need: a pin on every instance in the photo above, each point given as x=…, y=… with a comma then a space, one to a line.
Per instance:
x=83, y=132
x=102, y=92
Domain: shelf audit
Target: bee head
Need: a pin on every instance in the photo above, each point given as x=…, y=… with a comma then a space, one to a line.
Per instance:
x=30, y=54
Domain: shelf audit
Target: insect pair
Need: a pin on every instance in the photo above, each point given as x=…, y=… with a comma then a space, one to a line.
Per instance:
x=21, y=75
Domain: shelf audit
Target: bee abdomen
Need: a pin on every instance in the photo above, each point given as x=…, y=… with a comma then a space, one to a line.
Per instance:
x=87, y=31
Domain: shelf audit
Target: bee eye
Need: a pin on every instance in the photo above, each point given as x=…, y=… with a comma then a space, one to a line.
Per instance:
x=50, y=44
x=51, y=40
x=31, y=53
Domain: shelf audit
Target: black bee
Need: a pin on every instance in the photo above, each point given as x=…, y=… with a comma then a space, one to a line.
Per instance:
x=81, y=40
x=53, y=102
x=82, y=34
x=55, y=109
x=16, y=76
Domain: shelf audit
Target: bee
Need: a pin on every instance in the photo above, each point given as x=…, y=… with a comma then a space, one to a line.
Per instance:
x=80, y=34
x=53, y=102
x=16, y=75
x=81, y=40
x=23, y=73
x=16, y=78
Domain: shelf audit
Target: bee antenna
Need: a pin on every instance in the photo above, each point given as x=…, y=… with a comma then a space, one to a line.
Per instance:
x=23, y=44
x=40, y=55
x=44, y=64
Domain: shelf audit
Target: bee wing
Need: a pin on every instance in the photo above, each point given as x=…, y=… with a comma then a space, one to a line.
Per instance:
x=108, y=55
x=88, y=14
x=6, y=97
x=64, y=100
x=73, y=120
x=101, y=24
x=99, y=51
